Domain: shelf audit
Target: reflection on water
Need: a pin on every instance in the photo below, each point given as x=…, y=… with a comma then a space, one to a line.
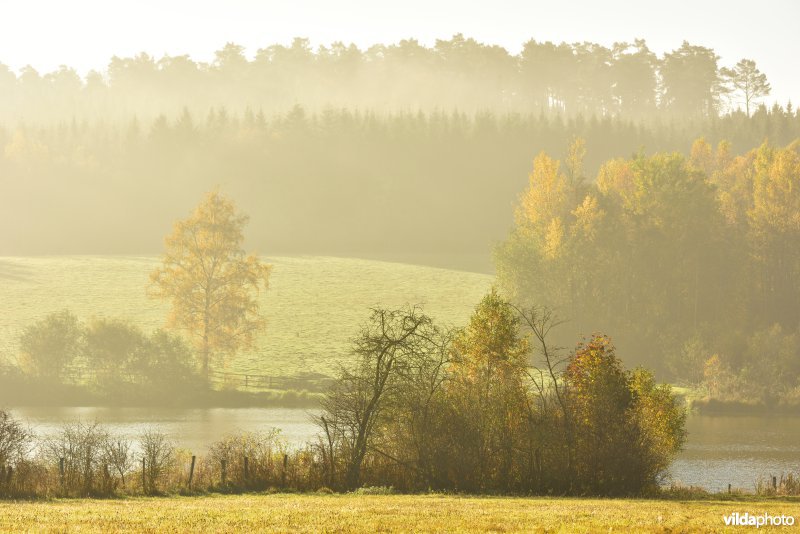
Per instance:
x=735, y=450
x=193, y=429
x=721, y=450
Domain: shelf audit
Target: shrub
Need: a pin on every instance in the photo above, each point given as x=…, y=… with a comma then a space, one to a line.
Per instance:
x=264, y=452
x=16, y=441
x=51, y=344
x=627, y=429
x=159, y=457
x=118, y=456
x=75, y=457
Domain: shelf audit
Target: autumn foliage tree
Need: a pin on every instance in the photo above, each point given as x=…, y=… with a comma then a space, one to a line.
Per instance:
x=212, y=282
x=425, y=408
x=672, y=253
x=487, y=394
x=627, y=428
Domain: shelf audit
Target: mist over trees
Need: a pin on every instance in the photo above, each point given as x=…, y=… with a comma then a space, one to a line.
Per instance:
x=104, y=358
x=440, y=183
x=692, y=262
x=429, y=144
x=419, y=153
x=625, y=80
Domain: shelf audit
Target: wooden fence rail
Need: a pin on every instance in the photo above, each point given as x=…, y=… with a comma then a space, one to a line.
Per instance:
x=240, y=381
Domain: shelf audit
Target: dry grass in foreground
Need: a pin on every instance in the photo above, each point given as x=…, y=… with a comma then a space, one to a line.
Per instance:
x=389, y=513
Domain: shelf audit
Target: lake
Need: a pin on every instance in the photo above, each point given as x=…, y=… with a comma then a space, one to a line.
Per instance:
x=313, y=308
x=737, y=450
x=721, y=450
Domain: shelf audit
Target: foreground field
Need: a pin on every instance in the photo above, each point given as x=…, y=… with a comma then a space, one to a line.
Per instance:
x=391, y=513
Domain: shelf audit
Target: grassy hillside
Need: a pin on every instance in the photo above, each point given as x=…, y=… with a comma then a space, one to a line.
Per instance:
x=392, y=513
x=314, y=305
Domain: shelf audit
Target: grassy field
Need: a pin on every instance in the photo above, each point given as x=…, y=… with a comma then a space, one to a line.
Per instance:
x=314, y=305
x=391, y=513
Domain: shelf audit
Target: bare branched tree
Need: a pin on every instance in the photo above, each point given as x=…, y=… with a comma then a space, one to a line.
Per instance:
x=545, y=374
x=15, y=439
x=158, y=454
x=117, y=454
x=386, y=349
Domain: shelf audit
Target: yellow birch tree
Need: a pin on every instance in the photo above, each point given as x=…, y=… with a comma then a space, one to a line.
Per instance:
x=211, y=281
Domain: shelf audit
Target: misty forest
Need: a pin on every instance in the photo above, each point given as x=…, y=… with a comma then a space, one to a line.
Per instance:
x=404, y=268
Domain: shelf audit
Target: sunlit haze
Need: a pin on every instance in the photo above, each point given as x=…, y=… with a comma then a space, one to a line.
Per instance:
x=412, y=253
x=84, y=34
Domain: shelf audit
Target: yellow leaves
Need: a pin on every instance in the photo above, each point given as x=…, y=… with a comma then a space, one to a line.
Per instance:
x=727, y=206
x=704, y=159
x=734, y=181
x=575, y=155
x=588, y=218
x=616, y=179
x=491, y=339
x=776, y=191
x=546, y=196
x=546, y=209
x=212, y=284
x=723, y=155
x=25, y=149
x=554, y=238
x=712, y=372
x=701, y=157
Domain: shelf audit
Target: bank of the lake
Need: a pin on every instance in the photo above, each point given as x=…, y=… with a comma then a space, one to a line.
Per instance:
x=381, y=513
x=720, y=450
x=19, y=392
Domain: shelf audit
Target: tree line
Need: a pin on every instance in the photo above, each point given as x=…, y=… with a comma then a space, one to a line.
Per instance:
x=111, y=357
x=626, y=79
x=438, y=183
x=213, y=286
x=489, y=408
x=691, y=261
x=494, y=407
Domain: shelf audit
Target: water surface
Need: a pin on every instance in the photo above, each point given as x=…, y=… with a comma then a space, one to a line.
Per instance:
x=721, y=450
x=737, y=450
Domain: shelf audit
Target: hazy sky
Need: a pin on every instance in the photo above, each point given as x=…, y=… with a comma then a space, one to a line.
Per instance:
x=85, y=33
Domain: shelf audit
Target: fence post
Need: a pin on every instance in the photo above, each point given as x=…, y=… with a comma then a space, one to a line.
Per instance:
x=8, y=476
x=144, y=478
x=774, y=482
x=223, y=464
x=191, y=471
x=729, y=488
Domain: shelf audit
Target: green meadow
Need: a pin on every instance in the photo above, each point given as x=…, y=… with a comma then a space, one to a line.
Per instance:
x=314, y=305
